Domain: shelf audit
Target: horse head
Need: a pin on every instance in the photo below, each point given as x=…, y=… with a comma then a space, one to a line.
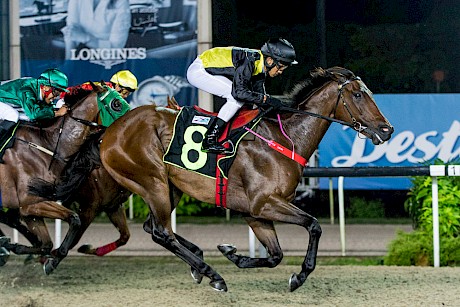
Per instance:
x=350, y=102
x=94, y=106
x=105, y=108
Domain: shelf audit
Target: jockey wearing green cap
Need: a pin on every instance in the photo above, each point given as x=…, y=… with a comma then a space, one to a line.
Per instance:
x=33, y=96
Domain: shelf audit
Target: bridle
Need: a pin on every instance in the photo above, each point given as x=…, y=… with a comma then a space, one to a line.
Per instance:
x=81, y=120
x=354, y=123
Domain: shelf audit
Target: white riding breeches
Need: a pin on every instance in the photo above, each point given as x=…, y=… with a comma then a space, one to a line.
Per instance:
x=215, y=85
x=7, y=112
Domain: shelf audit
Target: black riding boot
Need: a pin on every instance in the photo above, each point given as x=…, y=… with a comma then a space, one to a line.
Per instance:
x=210, y=143
x=5, y=134
x=5, y=127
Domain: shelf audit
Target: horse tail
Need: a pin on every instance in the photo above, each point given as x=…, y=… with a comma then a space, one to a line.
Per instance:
x=74, y=174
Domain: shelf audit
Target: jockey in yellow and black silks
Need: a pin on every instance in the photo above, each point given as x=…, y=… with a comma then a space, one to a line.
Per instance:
x=238, y=75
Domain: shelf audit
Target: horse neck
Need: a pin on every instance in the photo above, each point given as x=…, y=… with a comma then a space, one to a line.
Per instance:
x=74, y=133
x=307, y=131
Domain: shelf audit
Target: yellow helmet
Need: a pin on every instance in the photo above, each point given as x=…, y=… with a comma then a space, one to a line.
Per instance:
x=126, y=79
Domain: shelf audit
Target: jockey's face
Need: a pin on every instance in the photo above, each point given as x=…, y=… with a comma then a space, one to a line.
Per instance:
x=124, y=91
x=49, y=93
x=275, y=70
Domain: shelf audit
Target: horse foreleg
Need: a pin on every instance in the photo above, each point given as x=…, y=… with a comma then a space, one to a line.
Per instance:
x=309, y=264
x=53, y=210
x=11, y=219
x=265, y=232
x=38, y=229
x=277, y=209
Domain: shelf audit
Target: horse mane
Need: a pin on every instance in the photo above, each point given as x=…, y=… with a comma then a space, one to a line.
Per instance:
x=319, y=77
x=74, y=174
x=75, y=94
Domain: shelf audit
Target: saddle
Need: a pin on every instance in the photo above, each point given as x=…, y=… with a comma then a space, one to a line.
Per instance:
x=184, y=151
x=243, y=117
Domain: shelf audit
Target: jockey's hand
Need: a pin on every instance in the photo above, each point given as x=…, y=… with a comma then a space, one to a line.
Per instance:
x=273, y=102
x=61, y=112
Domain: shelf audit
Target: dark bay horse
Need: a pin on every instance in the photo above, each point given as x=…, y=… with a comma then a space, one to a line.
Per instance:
x=261, y=182
x=86, y=186
x=85, y=181
x=43, y=153
x=89, y=190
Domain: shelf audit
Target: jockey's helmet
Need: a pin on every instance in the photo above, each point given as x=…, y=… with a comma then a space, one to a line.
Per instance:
x=126, y=79
x=280, y=50
x=54, y=78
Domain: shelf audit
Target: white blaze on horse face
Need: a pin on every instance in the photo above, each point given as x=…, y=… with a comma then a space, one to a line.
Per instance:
x=364, y=88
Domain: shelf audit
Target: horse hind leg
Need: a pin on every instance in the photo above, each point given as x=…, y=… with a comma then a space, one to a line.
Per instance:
x=53, y=210
x=197, y=277
x=265, y=232
x=118, y=219
x=165, y=237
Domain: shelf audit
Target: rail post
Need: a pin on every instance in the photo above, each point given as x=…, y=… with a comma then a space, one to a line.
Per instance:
x=331, y=200
x=341, y=213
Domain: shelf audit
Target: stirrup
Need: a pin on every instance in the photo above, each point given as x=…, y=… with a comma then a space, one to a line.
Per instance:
x=214, y=148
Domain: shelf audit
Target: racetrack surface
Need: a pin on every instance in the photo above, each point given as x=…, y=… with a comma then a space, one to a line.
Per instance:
x=166, y=281
x=361, y=239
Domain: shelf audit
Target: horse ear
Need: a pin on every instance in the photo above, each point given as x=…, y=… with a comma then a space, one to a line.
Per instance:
x=93, y=85
x=96, y=87
x=172, y=103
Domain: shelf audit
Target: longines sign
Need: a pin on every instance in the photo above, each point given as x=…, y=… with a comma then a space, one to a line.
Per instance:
x=108, y=57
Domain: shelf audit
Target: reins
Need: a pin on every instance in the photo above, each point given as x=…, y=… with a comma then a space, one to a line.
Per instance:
x=291, y=153
x=53, y=153
x=354, y=124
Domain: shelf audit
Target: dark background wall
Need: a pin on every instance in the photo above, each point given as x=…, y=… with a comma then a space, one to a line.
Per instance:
x=394, y=45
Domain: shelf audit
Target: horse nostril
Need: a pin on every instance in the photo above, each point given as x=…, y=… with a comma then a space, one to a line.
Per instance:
x=386, y=129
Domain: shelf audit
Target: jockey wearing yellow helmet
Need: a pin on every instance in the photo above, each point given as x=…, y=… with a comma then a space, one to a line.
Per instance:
x=124, y=82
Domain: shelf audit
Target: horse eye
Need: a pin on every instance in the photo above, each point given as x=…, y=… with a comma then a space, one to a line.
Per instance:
x=357, y=95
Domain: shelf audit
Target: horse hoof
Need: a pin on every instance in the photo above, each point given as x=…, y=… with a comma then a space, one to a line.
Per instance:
x=4, y=241
x=4, y=255
x=43, y=259
x=48, y=266
x=86, y=249
x=227, y=249
x=218, y=285
x=197, y=277
x=30, y=259
x=148, y=225
x=294, y=282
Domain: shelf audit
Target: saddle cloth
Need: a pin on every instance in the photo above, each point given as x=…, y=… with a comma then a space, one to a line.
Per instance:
x=191, y=124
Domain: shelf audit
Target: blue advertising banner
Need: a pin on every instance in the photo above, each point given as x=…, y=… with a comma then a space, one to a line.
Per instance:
x=93, y=39
x=427, y=127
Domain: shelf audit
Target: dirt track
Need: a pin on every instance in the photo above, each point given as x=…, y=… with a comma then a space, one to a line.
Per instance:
x=165, y=281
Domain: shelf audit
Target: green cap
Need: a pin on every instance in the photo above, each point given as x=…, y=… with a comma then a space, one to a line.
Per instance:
x=54, y=78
